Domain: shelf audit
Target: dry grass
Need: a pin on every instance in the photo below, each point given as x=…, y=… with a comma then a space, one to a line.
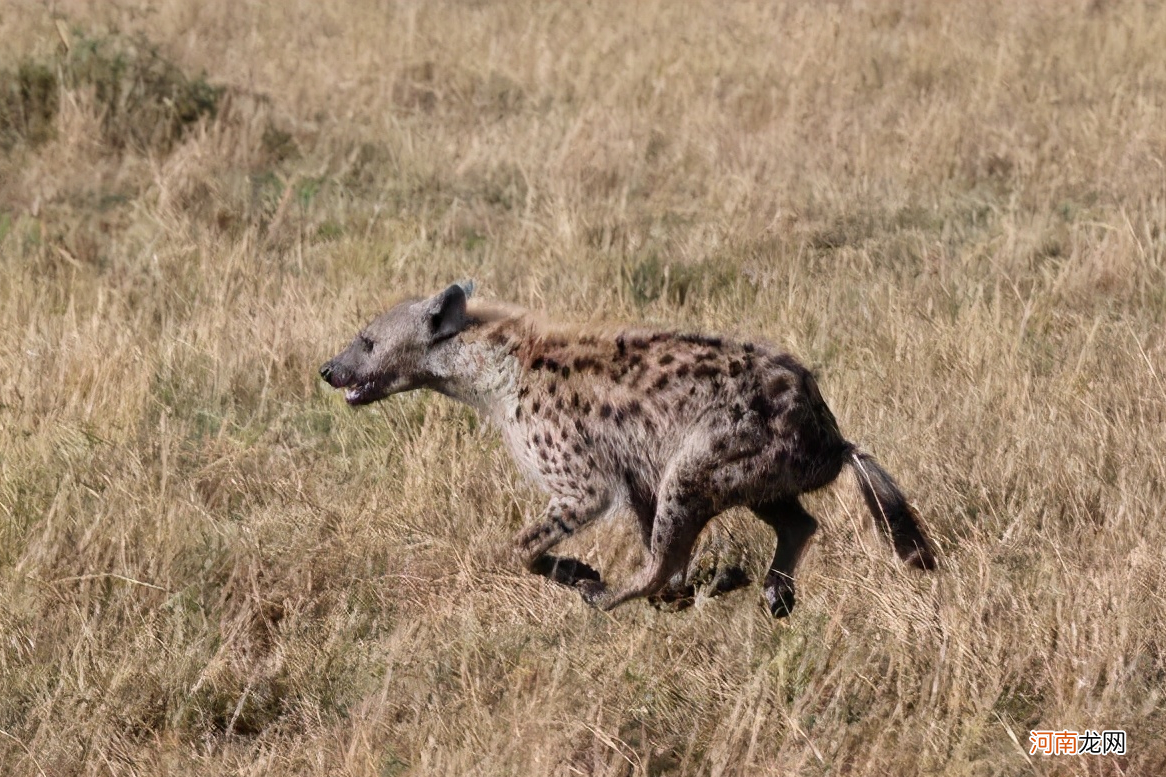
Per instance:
x=208, y=565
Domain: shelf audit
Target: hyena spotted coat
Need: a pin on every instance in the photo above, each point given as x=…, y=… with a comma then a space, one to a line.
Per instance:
x=676, y=427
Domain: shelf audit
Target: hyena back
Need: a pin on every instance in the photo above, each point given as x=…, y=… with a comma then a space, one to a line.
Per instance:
x=676, y=427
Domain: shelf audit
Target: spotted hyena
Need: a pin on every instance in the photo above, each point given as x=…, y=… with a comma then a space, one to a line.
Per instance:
x=676, y=427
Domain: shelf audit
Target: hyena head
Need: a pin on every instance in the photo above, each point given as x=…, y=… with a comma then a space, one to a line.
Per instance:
x=399, y=349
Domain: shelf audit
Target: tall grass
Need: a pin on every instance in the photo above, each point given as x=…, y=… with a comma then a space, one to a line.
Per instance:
x=956, y=213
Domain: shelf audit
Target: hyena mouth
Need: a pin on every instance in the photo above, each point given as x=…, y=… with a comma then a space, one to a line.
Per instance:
x=370, y=390
x=361, y=394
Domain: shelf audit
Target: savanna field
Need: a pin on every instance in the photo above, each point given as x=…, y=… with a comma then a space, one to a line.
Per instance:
x=209, y=565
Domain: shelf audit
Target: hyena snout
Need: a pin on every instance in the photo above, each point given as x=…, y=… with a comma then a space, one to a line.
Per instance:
x=361, y=386
x=336, y=375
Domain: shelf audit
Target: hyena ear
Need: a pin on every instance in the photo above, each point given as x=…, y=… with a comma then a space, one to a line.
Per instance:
x=447, y=313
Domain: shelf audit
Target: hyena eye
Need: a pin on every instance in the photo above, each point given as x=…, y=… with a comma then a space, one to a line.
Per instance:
x=366, y=344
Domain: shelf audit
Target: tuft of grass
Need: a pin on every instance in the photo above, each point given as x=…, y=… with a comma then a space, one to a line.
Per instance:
x=648, y=279
x=28, y=104
x=144, y=98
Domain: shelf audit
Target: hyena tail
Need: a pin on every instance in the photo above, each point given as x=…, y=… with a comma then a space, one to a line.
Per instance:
x=893, y=515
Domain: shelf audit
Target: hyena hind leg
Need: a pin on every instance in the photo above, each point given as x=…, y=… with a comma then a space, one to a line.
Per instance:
x=712, y=573
x=714, y=569
x=679, y=521
x=794, y=528
x=677, y=593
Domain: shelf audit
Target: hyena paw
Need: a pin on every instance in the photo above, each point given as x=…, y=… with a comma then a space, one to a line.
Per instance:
x=779, y=595
x=728, y=579
x=678, y=594
x=566, y=571
x=593, y=592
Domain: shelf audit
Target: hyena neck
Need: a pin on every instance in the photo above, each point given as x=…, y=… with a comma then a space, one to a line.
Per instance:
x=480, y=367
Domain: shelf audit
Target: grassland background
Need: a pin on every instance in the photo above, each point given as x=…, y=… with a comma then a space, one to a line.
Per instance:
x=955, y=212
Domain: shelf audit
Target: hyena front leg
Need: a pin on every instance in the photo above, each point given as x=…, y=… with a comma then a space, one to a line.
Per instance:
x=564, y=516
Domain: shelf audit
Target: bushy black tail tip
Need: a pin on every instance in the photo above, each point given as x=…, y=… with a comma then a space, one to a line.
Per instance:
x=922, y=558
